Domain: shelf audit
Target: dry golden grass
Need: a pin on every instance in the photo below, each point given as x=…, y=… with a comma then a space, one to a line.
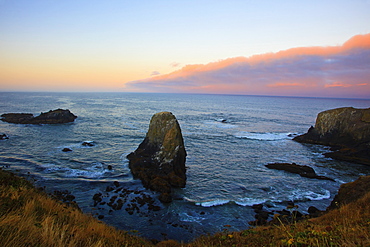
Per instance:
x=31, y=218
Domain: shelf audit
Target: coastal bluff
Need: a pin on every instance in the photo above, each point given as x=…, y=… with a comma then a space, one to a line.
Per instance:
x=58, y=116
x=346, y=130
x=159, y=161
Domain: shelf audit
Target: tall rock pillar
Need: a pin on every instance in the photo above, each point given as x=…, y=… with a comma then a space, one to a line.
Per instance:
x=159, y=161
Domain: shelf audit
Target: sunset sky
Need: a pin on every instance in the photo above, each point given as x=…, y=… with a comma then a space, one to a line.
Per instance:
x=287, y=48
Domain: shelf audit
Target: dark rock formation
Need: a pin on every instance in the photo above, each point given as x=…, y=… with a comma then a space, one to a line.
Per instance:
x=66, y=197
x=159, y=161
x=346, y=129
x=88, y=144
x=314, y=212
x=58, y=116
x=261, y=216
x=17, y=118
x=303, y=171
x=117, y=197
x=66, y=150
x=3, y=137
x=351, y=192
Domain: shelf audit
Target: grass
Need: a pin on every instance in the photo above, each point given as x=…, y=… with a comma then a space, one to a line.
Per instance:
x=28, y=217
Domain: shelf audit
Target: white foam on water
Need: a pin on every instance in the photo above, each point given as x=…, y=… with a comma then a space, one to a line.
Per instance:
x=267, y=136
x=96, y=170
x=220, y=124
x=50, y=168
x=249, y=201
x=310, y=195
x=212, y=203
x=190, y=218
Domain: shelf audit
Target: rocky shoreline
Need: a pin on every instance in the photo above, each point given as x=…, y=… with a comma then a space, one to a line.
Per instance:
x=347, y=193
x=346, y=130
x=159, y=162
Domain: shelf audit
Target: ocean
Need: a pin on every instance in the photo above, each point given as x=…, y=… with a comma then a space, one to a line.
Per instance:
x=228, y=138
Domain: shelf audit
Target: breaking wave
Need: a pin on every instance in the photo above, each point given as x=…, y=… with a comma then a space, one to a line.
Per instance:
x=264, y=136
x=297, y=195
x=96, y=170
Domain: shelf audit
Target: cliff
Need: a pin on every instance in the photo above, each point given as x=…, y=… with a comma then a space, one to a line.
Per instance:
x=346, y=130
x=159, y=161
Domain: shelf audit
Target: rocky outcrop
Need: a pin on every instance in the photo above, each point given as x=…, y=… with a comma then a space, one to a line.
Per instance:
x=346, y=130
x=351, y=192
x=303, y=171
x=159, y=161
x=348, y=193
x=58, y=116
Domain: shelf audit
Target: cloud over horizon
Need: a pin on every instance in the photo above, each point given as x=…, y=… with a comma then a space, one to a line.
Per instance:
x=334, y=71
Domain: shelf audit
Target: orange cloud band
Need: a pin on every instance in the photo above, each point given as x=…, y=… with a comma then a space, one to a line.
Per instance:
x=302, y=71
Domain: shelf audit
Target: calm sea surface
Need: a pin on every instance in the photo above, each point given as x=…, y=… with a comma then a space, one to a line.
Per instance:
x=228, y=139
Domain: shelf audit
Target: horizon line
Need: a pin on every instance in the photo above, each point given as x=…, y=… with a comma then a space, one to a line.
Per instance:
x=187, y=93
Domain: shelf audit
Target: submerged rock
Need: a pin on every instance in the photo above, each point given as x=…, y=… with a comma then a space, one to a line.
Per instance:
x=346, y=129
x=58, y=116
x=159, y=161
x=88, y=144
x=3, y=137
x=302, y=170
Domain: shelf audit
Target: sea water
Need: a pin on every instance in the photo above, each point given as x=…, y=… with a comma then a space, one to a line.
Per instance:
x=228, y=138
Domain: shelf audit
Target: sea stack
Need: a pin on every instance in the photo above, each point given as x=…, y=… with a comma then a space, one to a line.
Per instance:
x=159, y=161
x=346, y=130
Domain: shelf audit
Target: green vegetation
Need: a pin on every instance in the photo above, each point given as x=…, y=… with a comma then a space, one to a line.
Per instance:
x=28, y=217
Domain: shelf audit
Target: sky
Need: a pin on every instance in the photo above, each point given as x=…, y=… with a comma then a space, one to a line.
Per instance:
x=287, y=48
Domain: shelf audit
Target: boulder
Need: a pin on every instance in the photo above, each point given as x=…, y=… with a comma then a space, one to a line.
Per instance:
x=345, y=129
x=58, y=116
x=303, y=171
x=351, y=192
x=159, y=161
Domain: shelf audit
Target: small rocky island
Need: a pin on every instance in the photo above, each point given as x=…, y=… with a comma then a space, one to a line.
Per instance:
x=302, y=170
x=159, y=161
x=346, y=130
x=58, y=116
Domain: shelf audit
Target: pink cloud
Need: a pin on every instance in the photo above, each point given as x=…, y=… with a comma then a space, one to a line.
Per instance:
x=338, y=84
x=286, y=84
x=302, y=71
